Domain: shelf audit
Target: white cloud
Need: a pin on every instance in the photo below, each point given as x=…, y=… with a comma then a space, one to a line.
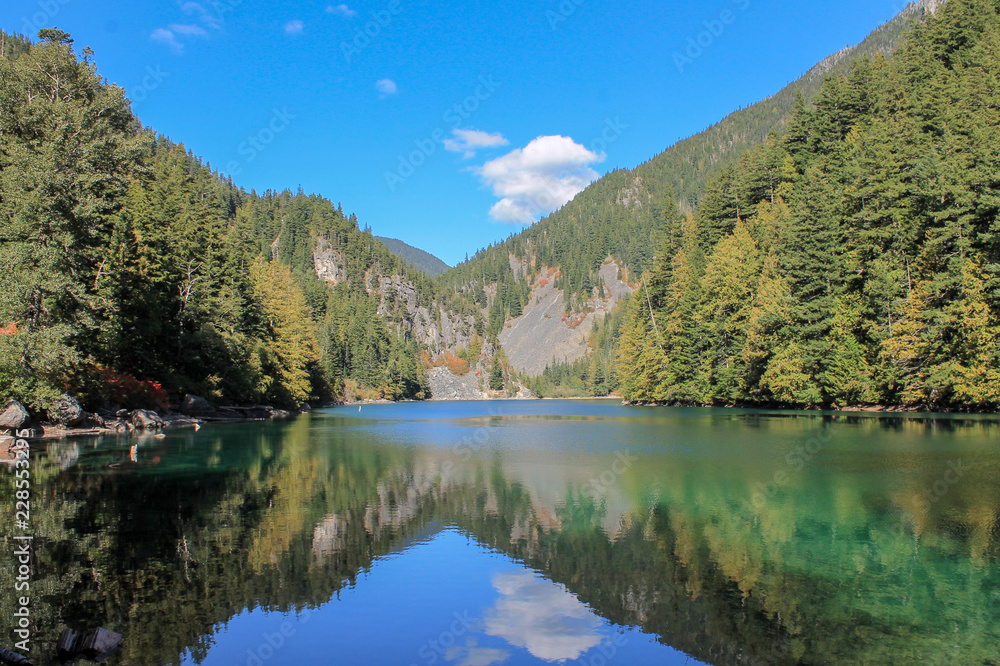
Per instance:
x=539, y=178
x=294, y=27
x=468, y=141
x=192, y=30
x=195, y=9
x=543, y=617
x=386, y=87
x=172, y=35
x=342, y=10
x=167, y=37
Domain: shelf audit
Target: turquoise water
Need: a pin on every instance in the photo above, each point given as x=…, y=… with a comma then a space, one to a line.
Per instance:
x=527, y=533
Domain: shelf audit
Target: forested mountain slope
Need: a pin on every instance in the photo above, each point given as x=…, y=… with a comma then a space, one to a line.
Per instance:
x=133, y=272
x=864, y=264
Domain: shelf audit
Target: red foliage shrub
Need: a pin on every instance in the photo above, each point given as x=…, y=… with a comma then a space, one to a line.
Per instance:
x=126, y=390
x=458, y=366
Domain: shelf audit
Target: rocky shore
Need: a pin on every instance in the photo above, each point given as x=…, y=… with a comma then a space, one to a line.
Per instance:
x=67, y=418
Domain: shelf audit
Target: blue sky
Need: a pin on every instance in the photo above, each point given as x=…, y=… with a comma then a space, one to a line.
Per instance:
x=446, y=124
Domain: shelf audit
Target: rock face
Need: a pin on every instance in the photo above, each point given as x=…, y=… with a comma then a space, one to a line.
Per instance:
x=432, y=325
x=144, y=419
x=66, y=411
x=542, y=335
x=331, y=266
x=193, y=405
x=13, y=416
x=429, y=325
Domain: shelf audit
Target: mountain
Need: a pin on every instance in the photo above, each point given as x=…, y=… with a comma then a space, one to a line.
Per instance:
x=152, y=273
x=690, y=163
x=581, y=260
x=142, y=274
x=424, y=261
x=855, y=259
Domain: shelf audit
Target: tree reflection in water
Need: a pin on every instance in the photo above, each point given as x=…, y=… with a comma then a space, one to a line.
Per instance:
x=847, y=561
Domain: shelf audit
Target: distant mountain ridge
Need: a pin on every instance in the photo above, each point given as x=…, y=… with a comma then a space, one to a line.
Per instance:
x=419, y=259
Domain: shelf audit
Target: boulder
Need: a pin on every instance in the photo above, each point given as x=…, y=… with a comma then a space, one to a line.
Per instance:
x=305, y=407
x=144, y=419
x=66, y=411
x=13, y=416
x=193, y=405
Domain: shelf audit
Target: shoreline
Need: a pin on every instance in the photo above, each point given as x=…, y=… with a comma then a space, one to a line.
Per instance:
x=101, y=427
x=893, y=410
x=261, y=413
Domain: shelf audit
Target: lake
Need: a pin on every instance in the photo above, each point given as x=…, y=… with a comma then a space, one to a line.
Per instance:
x=471, y=534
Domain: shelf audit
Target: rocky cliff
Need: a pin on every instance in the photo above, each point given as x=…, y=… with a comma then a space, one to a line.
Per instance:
x=545, y=334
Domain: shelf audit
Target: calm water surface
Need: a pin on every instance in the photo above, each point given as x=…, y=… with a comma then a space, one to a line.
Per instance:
x=471, y=534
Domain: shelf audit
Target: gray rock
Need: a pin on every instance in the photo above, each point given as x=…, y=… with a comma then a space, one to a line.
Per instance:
x=305, y=407
x=66, y=411
x=145, y=419
x=13, y=416
x=446, y=386
x=194, y=405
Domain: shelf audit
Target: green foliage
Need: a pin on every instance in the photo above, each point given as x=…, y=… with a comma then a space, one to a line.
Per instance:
x=126, y=252
x=855, y=261
x=68, y=147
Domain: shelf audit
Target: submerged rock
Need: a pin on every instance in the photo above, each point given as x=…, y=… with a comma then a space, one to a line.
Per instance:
x=7, y=451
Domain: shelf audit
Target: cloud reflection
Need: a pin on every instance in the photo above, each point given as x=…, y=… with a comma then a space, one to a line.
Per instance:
x=476, y=656
x=543, y=617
